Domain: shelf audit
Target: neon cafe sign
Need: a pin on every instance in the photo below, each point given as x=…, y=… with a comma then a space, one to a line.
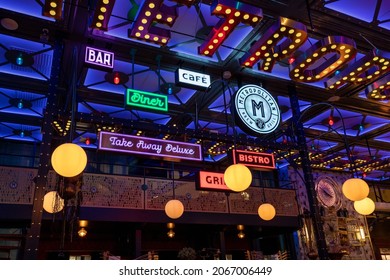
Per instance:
x=280, y=41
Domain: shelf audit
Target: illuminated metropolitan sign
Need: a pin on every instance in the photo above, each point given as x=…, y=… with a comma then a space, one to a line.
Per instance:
x=146, y=100
x=148, y=146
x=211, y=181
x=99, y=58
x=192, y=79
x=253, y=159
x=256, y=111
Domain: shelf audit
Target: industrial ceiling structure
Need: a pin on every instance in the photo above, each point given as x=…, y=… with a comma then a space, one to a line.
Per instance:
x=337, y=85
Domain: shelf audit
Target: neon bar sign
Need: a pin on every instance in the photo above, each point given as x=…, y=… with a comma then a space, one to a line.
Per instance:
x=211, y=181
x=192, y=79
x=280, y=41
x=116, y=142
x=146, y=100
x=253, y=159
x=100, y=58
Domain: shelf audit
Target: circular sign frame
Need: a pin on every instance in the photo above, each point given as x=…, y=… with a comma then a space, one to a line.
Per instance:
x=255, y=110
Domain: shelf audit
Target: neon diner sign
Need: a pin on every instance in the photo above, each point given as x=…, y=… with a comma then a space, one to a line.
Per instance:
x=146, y=100
x=280, y=41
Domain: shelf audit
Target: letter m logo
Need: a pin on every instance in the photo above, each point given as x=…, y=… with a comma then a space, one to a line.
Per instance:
x=256, y=107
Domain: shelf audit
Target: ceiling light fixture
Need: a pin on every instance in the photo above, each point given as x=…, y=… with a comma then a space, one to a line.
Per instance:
x=19, y=58
x=82, y=232
x=20, y=103
x=170, y=88
x=116, y=78
x=9, y=24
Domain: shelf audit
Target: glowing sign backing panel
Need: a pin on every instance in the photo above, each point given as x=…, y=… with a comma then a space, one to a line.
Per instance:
x=253, y=159
x=146, y=100
x=211, y=181
x=149, y=146
x=99, y=58
x=192, y=79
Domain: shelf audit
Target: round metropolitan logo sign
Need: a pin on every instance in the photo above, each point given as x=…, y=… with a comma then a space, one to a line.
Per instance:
x=256, y=110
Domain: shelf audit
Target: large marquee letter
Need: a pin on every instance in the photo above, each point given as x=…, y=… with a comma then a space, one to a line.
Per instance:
x=290, y=33
x=308, y=67
x=233, y=13
x=380, y=90
x=366, y=69
x=153, y=11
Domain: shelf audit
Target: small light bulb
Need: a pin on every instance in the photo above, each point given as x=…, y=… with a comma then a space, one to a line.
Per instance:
x=19, y=60
x=20, y=104
x=330, y=121
x=117, y=79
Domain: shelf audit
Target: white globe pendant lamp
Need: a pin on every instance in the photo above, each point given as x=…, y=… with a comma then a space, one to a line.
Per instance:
x=52, y=202
x=174, y=209
x=69, y=160
x=365, y=206
x=237, y=177
x=355, y=189
x=266, y=211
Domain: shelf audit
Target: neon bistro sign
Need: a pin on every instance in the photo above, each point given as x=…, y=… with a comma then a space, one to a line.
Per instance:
x=146, y=100
x=192, y=79
x=100, y=58
x=254, y=159
x=149, y=146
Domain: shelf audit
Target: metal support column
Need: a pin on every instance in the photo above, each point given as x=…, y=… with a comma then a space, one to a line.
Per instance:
x=33, y=233
x=308, y=176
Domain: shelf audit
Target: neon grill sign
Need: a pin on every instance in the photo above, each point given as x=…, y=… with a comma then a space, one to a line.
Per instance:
x=280, y=41
x=149, y=146
x=211, y=181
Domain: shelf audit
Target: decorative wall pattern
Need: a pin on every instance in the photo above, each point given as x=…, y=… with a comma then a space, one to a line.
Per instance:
x=113, y=191
x=340, y=225
x=16, y=185
x=160, y=191
x=249, y=201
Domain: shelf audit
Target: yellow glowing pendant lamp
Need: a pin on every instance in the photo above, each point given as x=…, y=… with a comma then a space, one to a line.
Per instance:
x=365, y=206
x=69, y=160
x=355, y=189
x=174, y=209
x=237, y=177
x=52, y=202
x=266, y=211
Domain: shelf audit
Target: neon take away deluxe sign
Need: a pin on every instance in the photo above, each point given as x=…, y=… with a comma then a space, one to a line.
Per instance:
x=148, y=146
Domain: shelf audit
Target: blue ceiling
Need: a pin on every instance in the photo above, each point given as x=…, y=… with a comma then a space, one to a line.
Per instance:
x=207, y=110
